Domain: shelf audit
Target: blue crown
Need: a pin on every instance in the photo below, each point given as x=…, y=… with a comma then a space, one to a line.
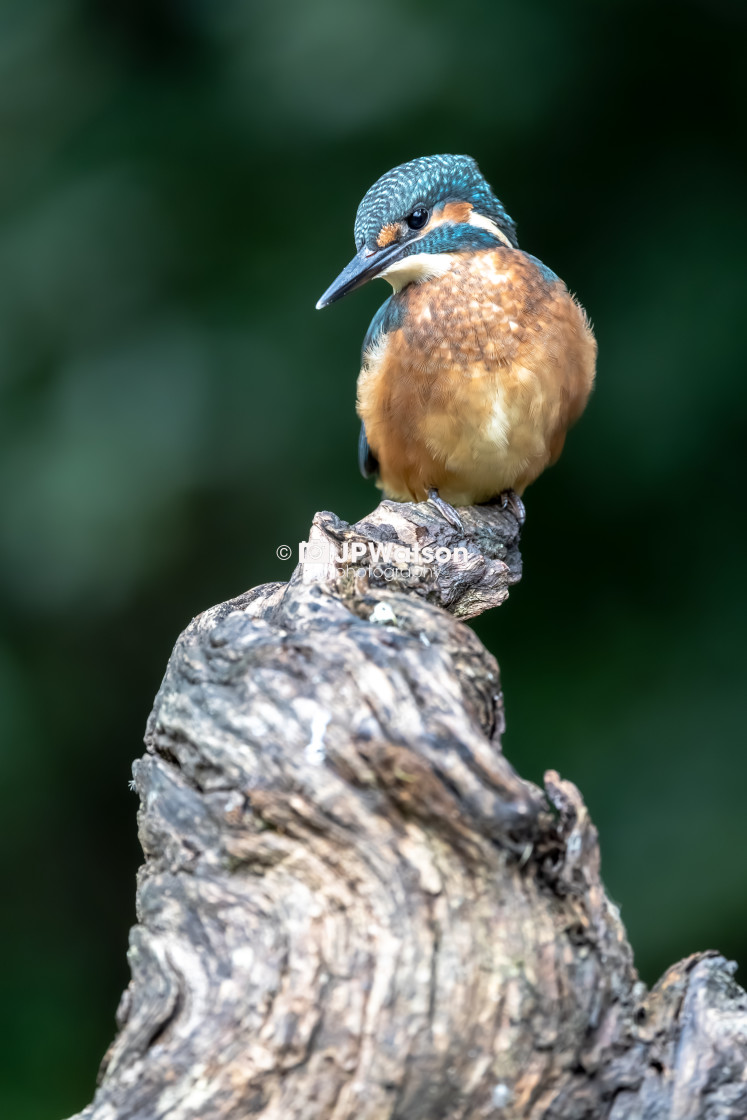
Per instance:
x=428, y=181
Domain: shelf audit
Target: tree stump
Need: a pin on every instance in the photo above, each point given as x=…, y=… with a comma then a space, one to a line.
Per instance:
x=352, y=906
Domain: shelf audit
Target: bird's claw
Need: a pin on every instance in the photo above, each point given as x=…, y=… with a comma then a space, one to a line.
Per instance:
x=510, y=500
x=447, y=512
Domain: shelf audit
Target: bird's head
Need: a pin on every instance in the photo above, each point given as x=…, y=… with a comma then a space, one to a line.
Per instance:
x=414, y=218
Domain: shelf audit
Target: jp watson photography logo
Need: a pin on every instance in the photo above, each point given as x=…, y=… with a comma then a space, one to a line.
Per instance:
x=379, y=559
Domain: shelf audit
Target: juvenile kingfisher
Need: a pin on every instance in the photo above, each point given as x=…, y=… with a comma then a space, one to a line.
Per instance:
x=478, y=363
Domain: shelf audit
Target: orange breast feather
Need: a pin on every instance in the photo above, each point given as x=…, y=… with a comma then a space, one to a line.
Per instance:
x=473, y=393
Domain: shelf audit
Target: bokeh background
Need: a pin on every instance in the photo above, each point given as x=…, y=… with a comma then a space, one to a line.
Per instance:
x=178, y=186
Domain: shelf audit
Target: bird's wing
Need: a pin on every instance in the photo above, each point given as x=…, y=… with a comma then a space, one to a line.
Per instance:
x=387, y=318
x=384, y=320
x=368, y=464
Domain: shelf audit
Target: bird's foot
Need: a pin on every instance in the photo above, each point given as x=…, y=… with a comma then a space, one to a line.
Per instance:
x=447, y=512
x=510, y=500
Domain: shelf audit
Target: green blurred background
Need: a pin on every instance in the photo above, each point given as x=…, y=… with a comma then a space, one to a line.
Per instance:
x=179, y=182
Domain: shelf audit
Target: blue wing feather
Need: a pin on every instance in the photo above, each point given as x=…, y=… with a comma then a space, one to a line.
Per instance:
x=385, y=319
x=368, y=464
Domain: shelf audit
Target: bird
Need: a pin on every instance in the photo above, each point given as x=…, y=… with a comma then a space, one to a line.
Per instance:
x=480, y=360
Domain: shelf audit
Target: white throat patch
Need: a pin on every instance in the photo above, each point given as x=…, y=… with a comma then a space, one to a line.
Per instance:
x=417, y=268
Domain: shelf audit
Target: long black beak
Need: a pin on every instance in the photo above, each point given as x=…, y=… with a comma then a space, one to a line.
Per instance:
x=364, y=266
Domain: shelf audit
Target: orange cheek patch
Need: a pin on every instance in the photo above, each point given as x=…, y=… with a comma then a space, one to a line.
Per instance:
x=387, y=235
x=455, y=212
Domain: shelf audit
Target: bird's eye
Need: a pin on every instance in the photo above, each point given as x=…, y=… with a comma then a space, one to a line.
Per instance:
x=418, y=218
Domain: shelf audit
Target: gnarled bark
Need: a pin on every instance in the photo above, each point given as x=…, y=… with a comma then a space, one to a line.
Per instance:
x=352, y=905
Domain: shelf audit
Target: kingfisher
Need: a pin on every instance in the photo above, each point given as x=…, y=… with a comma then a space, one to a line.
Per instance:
x=479, y=361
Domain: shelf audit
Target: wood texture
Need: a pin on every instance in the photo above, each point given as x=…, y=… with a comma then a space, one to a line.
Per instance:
x=352, y=906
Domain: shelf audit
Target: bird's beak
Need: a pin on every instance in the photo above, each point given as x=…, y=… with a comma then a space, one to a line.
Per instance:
x=364, y=266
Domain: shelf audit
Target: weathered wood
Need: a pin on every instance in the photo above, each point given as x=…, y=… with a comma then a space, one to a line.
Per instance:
x=352, y=906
